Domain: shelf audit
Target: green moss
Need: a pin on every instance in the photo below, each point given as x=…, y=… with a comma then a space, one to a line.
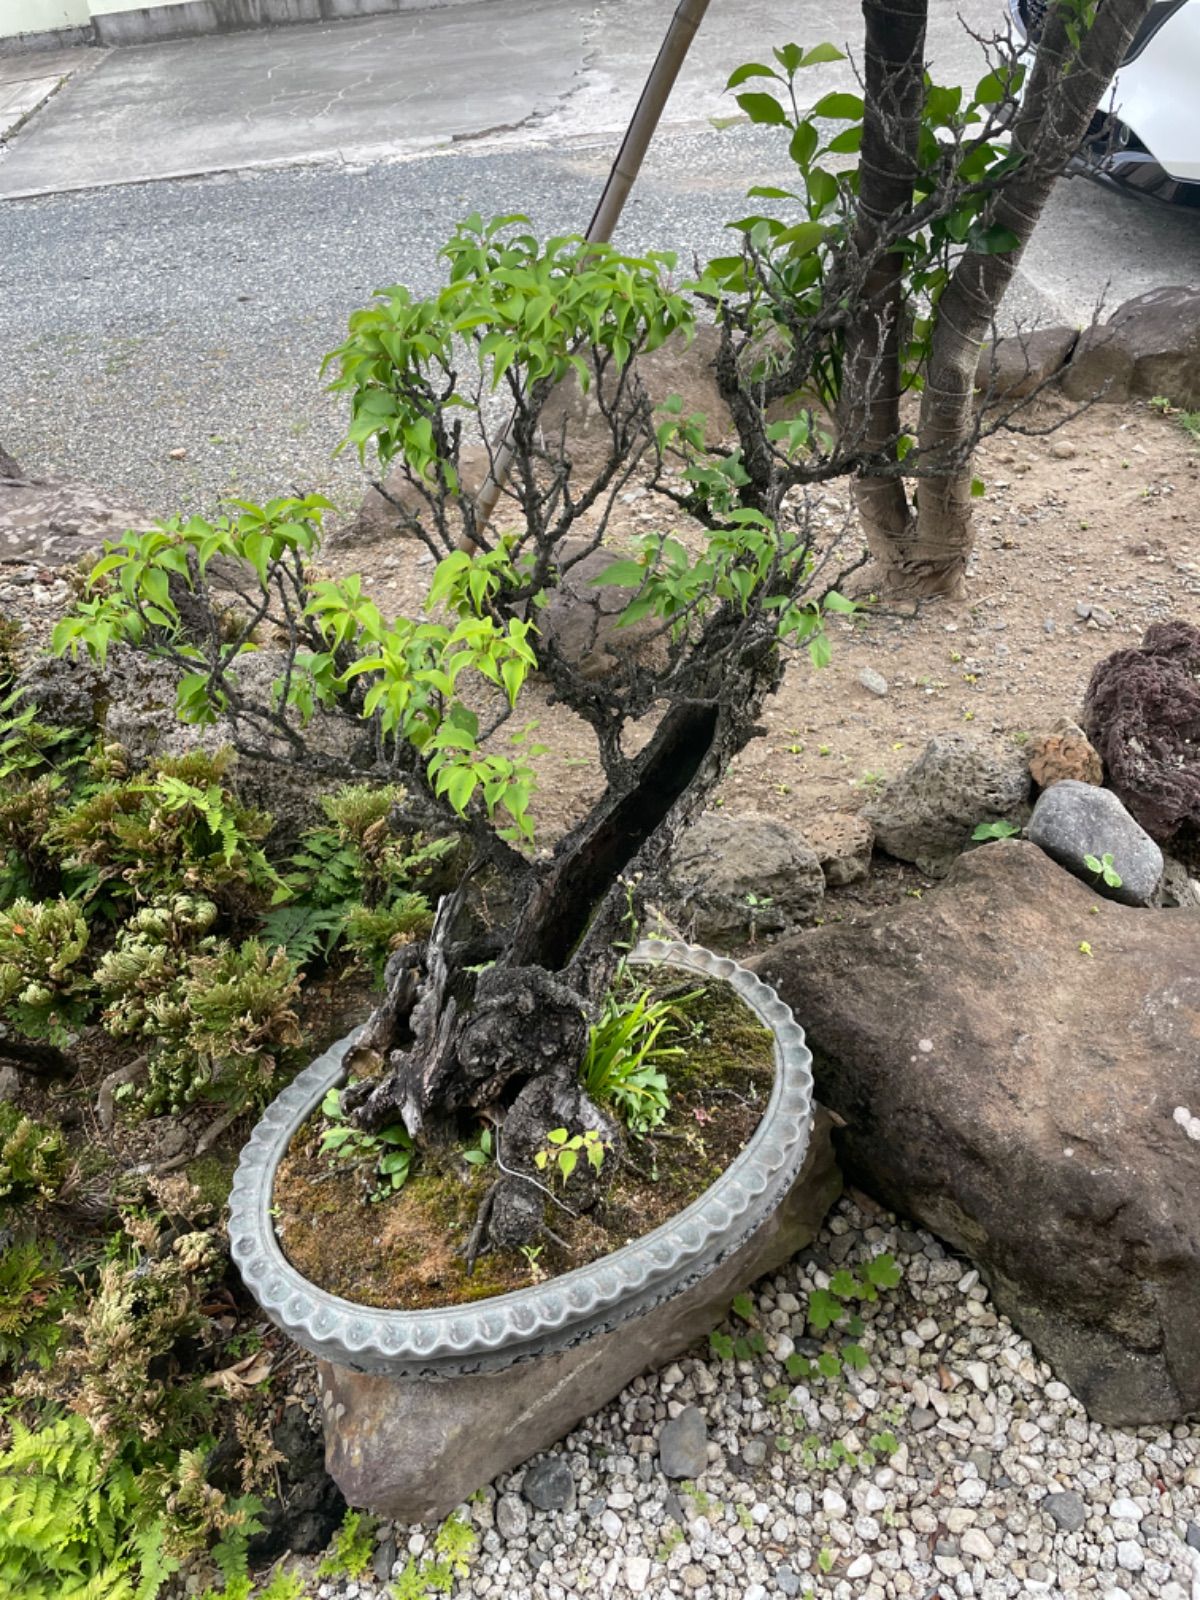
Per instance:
x=213, y=1176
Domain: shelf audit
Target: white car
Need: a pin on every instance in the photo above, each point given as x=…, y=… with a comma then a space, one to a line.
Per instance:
x=1146, y=137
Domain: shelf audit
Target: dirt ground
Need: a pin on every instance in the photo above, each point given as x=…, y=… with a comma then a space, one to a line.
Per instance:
x=1102, y=512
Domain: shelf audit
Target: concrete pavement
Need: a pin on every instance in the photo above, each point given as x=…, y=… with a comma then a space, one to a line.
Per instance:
x=141, y=313
x=498, y=71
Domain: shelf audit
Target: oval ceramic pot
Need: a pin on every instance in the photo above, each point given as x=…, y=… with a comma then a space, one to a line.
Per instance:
x=490, y=1335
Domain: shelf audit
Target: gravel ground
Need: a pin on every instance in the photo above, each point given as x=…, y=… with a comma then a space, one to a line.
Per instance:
x=1001, y=1487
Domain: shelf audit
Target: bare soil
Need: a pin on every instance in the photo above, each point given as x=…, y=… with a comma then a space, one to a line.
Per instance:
x=1102, y=511
x=408, y=1250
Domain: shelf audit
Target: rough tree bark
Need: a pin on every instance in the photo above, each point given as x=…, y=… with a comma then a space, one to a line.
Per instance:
x=1067, y=84
x=894, y=74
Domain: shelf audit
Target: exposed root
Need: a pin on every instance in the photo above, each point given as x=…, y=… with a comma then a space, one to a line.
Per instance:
x=106, y=1101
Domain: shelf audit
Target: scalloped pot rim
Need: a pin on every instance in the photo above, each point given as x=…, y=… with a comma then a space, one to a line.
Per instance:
x=488, y=1335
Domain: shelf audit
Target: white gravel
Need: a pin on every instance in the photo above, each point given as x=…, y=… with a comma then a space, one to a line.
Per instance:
x=954, y=1512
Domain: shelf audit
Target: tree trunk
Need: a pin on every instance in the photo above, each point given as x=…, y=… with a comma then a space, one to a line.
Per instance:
x=870, y=400
x=1065, y=90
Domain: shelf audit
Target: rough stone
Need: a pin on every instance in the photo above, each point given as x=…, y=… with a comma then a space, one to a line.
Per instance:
x=59, y=524
x=512, y=1519
x=413, y=1449
x=378, y=518
x=683, y=1445
x=874, y=682
x=1036, y=1134
x=1064, y=752
x=1074, y=820
x=1142, y=712
x=550, y=1485
x=582, y=619
x=677, y=367
x=1066, y=1510
x=843, y=843
x=1150, y=345
x=311, y=1508
x=734, y=876
x=928, y=813
x=1013, y=368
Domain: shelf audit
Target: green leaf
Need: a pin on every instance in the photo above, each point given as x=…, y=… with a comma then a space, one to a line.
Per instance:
x=855, y=1357
x=838, y=107
x=882, y=1271
x=743, y=1307
x=846, y=143
x=828, y=1364
x=763, y=109
x=798, y=1366
x=628, y=574
x=804, y=144
x=750, y=69
x=803, y=238
x=821, y=53
x=978, y=488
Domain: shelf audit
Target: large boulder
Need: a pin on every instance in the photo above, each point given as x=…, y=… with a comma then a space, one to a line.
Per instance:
x=387, y=516
x=1009, y=1055
x=58, y=524
x=734, y=876
x=1142, y=711
x=1016, y=367
x=1150, y=345
x=928, y=813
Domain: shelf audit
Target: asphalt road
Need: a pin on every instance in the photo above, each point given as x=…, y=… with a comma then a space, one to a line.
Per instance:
x=141, y=315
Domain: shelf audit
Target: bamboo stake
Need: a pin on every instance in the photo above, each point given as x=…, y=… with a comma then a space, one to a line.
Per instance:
x=624, y=170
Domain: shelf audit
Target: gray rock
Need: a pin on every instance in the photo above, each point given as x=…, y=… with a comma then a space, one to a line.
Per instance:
x=381, y=517
x=384, y=1559
x=583, y=619
x=734, y=876
x=412, y=1449
x=754, y=1452
x=874, y=682
x=1017, y=1095
x=1013, y=368
x=550, y=1485
x=921, y=1419
x=1193, y=1535
x=1150, y=345
x=843, y=843
x=512, y=1519
x=1073, y=820
x=928, y=813
x=787, y=1581
x=683, y=1445
x=1066, y=1509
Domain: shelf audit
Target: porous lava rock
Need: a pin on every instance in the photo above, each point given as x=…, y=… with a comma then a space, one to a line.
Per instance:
x=1142, y=713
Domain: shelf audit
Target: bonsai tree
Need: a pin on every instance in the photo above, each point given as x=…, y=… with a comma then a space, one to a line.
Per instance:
x=825, y=317
x=476, y=1021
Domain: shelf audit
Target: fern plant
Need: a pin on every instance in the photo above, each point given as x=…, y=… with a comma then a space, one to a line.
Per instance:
x=179, y=826
x=74, y=1525
x=33, y=1300
x=216, y=1018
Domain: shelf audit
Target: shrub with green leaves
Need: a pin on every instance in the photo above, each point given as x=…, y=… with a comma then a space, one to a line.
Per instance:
x=177, y=826
x=217, y=1019
x=45, y=985
x=33, y=1157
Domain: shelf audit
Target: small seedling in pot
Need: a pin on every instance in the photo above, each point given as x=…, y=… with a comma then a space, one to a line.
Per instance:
x=391, y=1149
x=563, y=1149
x=480, y=1154
x=1103, y=867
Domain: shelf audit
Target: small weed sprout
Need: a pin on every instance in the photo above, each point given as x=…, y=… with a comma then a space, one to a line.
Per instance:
x=995, y=830
x=1103, y=867
x=564, y=1149
x=389, y=1152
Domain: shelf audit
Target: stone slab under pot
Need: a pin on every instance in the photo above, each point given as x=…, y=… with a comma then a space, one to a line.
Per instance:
x=423, y=1407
